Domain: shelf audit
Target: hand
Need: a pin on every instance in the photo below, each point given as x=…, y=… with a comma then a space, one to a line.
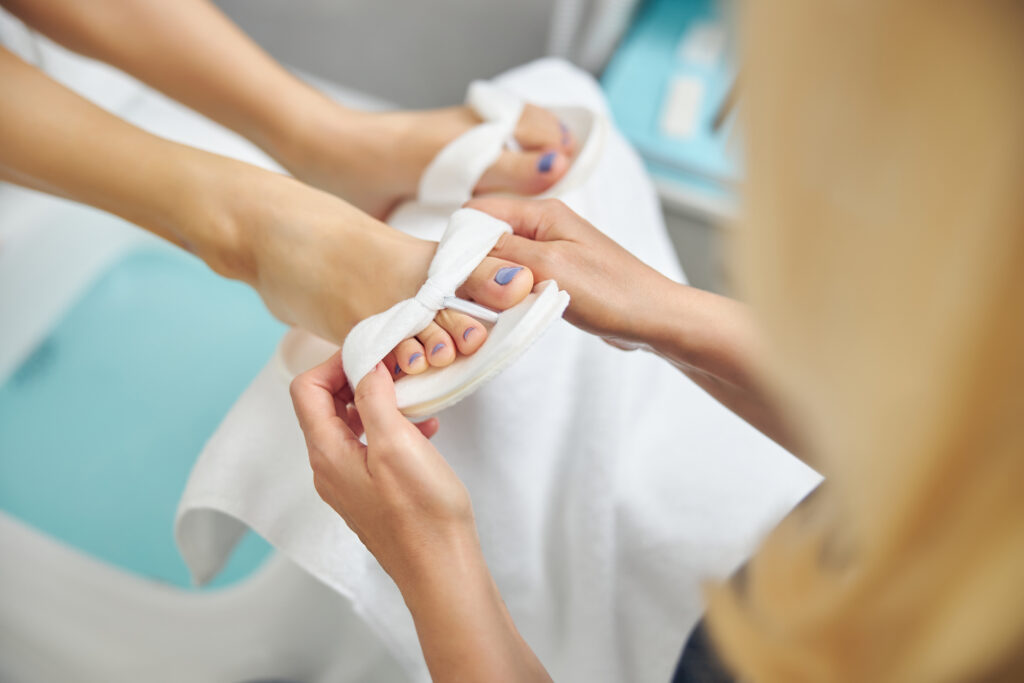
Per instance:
x=396, y=493
x=613, y=294
x=710, y=338
x=410, y=510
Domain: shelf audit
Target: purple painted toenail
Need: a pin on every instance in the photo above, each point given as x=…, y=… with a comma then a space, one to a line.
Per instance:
x=505, y=275
x=545, y=163
x=465, y=335
x=415, y=357
x=398, y=368
x=437, y=348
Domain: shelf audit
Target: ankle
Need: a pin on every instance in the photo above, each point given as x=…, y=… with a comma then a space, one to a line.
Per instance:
x=321, y=125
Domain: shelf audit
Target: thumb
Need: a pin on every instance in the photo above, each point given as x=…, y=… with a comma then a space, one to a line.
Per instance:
x=376, y=403
x=523, y=251
x=524, y=215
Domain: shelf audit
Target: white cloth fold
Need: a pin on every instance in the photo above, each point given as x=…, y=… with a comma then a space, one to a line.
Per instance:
x=450, y=177
x=469, y=237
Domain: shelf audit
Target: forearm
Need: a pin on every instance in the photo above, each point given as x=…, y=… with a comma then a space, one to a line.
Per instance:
x=193, y=53
x=55, y=141
x=464, y=628
x=712, y=339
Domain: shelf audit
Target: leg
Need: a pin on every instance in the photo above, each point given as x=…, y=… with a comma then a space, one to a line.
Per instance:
x=189, y=50
x=316, y=261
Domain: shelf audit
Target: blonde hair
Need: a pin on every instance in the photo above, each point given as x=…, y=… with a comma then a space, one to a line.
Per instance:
x=883, y=249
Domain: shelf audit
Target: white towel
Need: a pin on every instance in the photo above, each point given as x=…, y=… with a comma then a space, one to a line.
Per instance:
x=606, y=486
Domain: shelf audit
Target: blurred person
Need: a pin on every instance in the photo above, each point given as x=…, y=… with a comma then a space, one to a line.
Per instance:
x=882, y=257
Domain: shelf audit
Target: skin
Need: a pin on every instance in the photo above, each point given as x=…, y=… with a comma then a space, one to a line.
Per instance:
x=410, y=509
x=189, y=50
x=317, y=261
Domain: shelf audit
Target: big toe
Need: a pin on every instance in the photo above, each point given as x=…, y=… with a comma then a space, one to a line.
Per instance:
x=539, y=128
x=524, y=173
x=498, y=284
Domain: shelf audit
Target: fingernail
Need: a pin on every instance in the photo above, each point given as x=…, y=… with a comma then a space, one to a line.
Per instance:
x=398, y=368
x=415, y=357
x=505, y=275
x=544, y=165
x=437, y=348
x=465, y=335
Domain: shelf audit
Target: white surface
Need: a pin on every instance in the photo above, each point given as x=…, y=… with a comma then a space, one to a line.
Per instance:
x=703, y=44
x=606, y=486
x=67, y=617
x=681, y=112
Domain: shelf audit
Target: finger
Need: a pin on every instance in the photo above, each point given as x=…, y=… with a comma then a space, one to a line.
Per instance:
x=529, y=218
x=428, y=427
x=391, y=363
x=355, y=423
x=376, y=403
x=526, y=251
x=313, y=397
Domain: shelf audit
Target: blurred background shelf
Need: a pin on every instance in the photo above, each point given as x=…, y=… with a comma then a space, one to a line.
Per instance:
x=667, y=82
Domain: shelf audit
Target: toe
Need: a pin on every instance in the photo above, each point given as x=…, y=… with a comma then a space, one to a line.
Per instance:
x=391, y=363
x=410, y=356
x=467, y=333
x=540, y=129
x=525, y=173
x=439, y=347
x=497, y=283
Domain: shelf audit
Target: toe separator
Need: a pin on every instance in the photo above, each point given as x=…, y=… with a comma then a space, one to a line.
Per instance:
x=472, y=309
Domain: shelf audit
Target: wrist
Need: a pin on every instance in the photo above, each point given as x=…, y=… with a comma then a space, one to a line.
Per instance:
x=445, y=561
x=650, y=317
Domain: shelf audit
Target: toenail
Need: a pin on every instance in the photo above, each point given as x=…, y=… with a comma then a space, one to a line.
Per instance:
x=415, y=357
x=544, y=165
x=398, y=369
x=437, y=348
x=505, y=275
x=465, y=335
x=565, y=133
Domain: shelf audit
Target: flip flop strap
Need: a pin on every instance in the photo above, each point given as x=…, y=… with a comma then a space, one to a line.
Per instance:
x=450, y=177
x=469, y=237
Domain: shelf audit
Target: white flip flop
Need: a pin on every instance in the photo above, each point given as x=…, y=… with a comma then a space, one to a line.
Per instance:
x=449, y=179
x=468, y=239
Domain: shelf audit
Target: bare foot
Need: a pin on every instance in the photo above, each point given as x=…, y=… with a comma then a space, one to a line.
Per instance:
x=323, y=265
x=375, y=160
